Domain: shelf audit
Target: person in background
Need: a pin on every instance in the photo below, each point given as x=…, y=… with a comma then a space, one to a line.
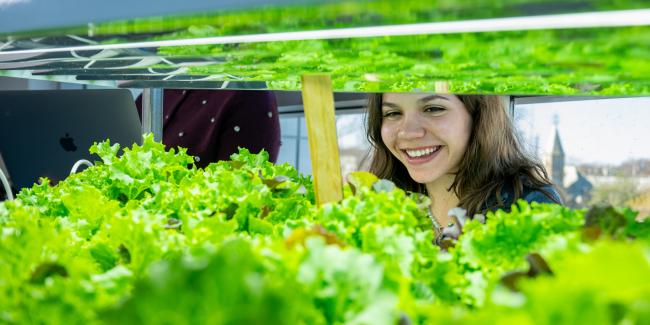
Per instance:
x=460, y=150
x=212, y=124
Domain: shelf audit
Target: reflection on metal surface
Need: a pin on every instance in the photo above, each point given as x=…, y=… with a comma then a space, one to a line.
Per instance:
x=194, y=84
x=565, y=21
x=18, y=15
x=94, y=19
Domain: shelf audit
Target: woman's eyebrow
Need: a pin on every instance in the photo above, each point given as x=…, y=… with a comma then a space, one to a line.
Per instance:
x=431, y=97
x=389, y=104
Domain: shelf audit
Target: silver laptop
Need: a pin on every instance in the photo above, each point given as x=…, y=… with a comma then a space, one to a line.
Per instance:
x=44, y=132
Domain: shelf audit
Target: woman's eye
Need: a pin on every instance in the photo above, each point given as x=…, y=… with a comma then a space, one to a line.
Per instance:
x=390, y=114
x=434, y=109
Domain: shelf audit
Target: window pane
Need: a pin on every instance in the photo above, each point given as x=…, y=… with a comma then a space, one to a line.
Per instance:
x=288, y=149
x=353, y=145
x=289, y=126
x=596, y=150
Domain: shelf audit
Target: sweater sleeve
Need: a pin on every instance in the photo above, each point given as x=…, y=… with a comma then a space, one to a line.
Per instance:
x=252, y=122
x=546, y=194
x=551, y=196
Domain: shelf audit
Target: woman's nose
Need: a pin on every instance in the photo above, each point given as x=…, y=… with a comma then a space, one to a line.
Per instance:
x=411, y=127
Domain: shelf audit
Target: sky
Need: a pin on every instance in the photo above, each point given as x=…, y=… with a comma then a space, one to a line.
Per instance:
x=605, y=131
x=6, y=3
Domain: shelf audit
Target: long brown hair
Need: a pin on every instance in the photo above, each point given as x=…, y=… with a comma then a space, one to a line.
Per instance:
x=493, y=159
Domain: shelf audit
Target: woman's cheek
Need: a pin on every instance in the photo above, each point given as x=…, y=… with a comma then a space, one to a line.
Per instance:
x=386, y=134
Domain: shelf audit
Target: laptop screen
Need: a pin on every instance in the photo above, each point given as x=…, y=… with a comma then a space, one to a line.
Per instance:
x=44, y=132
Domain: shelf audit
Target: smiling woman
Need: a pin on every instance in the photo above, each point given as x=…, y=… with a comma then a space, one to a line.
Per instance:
x=460, y=150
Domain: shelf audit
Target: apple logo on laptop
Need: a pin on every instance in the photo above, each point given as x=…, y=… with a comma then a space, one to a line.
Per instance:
x=68, y=143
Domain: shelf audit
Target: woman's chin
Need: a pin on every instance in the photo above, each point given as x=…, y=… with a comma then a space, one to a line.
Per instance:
x=423, y=178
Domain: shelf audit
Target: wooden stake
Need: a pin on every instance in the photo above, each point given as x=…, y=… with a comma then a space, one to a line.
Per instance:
x=318, y=101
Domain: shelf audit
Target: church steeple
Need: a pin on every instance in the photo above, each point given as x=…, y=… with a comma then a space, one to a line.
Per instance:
x=557, y=149
x=555, y=163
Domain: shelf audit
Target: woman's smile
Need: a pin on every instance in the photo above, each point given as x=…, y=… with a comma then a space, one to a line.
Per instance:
x=417, y=156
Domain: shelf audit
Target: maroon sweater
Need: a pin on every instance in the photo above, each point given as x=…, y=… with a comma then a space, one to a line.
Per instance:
x=211, y=124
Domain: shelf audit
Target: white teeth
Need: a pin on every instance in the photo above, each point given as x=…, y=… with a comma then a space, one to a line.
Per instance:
x=420, y=153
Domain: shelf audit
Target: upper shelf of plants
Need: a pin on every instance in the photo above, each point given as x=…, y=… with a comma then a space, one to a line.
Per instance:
x=570, y=47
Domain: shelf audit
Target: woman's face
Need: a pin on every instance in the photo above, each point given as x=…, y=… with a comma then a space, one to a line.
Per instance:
x=428, y=133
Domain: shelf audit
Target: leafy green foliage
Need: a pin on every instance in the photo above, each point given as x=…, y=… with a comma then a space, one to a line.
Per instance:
x=606, y=284
x=568, y=62
x=502, y=243
x=103, y=228
x=231, y=286
x=144, y=236
x=610, y=282
x=615, y=223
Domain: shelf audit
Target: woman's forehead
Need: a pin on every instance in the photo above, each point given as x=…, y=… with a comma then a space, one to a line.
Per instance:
x=414, y=97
